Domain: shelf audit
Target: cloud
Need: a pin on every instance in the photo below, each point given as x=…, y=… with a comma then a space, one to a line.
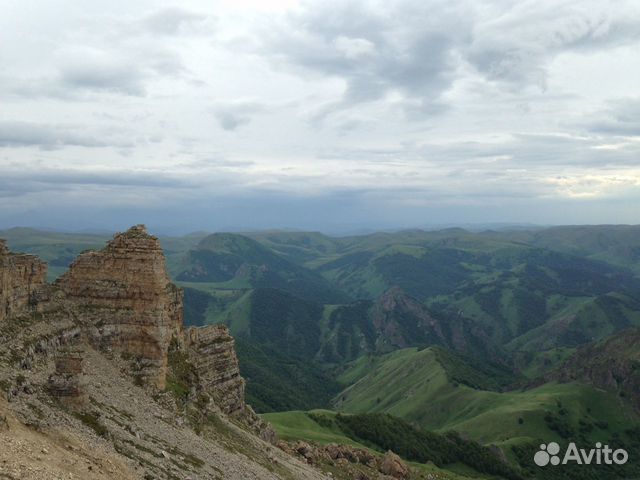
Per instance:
x=172, y=21
x=376, y=48
x=419, y=49
x=521, y=37
x=97, y=70
x=112, y=55
x=232, y=115
x=620, y=118
x=45, y=136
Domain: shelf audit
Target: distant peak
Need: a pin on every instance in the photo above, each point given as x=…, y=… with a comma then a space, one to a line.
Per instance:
x=395, y=297
x=136, y=231
x=139, y=229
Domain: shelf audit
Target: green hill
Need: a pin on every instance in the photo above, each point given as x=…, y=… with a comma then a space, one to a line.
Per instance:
x=584, y=321
x=302, y=248
x=278, y=382
x=612, y=364
x=615, y=244
x=391, y=322
x=231, y=261
x=508, y=287
x=421, y=387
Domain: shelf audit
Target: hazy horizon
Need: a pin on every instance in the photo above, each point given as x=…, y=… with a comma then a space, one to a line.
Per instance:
x=172, y=232
x=319, y=115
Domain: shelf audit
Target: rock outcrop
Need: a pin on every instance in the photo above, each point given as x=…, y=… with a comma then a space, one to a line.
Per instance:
x=66, y=383
x=217, y=375
x=213, y=356
x=22, y=280
x=361, y=463
x=612, y=364
x=393, y=465
x=124, y=292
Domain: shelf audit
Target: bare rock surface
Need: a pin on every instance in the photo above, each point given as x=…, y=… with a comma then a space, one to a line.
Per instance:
x=393, y=466
x=214, y=357
x=22, y=277
x=125, y=292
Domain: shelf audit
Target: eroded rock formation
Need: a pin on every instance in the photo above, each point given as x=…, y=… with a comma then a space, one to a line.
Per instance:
x=124, y=292
x=66, y=383
x=213, y=355
x=22, y=279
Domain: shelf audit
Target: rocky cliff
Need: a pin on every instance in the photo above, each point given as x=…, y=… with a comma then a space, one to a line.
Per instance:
x=22, y=278
x=213, y=356
x=125, y=294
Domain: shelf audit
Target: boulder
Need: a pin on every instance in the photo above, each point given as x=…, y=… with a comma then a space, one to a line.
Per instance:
x=393, y=466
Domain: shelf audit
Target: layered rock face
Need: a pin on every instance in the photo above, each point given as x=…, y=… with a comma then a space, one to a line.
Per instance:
x=66, y=383
x=124, y=292
x=22, y=281
x=214, y=358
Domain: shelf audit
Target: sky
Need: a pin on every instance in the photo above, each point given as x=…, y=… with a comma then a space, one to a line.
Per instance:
x=318, y=115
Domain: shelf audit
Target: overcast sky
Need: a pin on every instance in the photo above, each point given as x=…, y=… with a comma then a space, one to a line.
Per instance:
x=324, y=115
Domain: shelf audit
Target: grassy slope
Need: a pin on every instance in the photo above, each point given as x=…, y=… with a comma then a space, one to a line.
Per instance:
x=582, y=322
x=298, y=425
x=413, y=385
x=615, y=244
x=278, y=382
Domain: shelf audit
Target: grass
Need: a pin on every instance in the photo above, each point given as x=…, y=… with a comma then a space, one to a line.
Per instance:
x=298, y=425
x=324, y=427
x=413, y=385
